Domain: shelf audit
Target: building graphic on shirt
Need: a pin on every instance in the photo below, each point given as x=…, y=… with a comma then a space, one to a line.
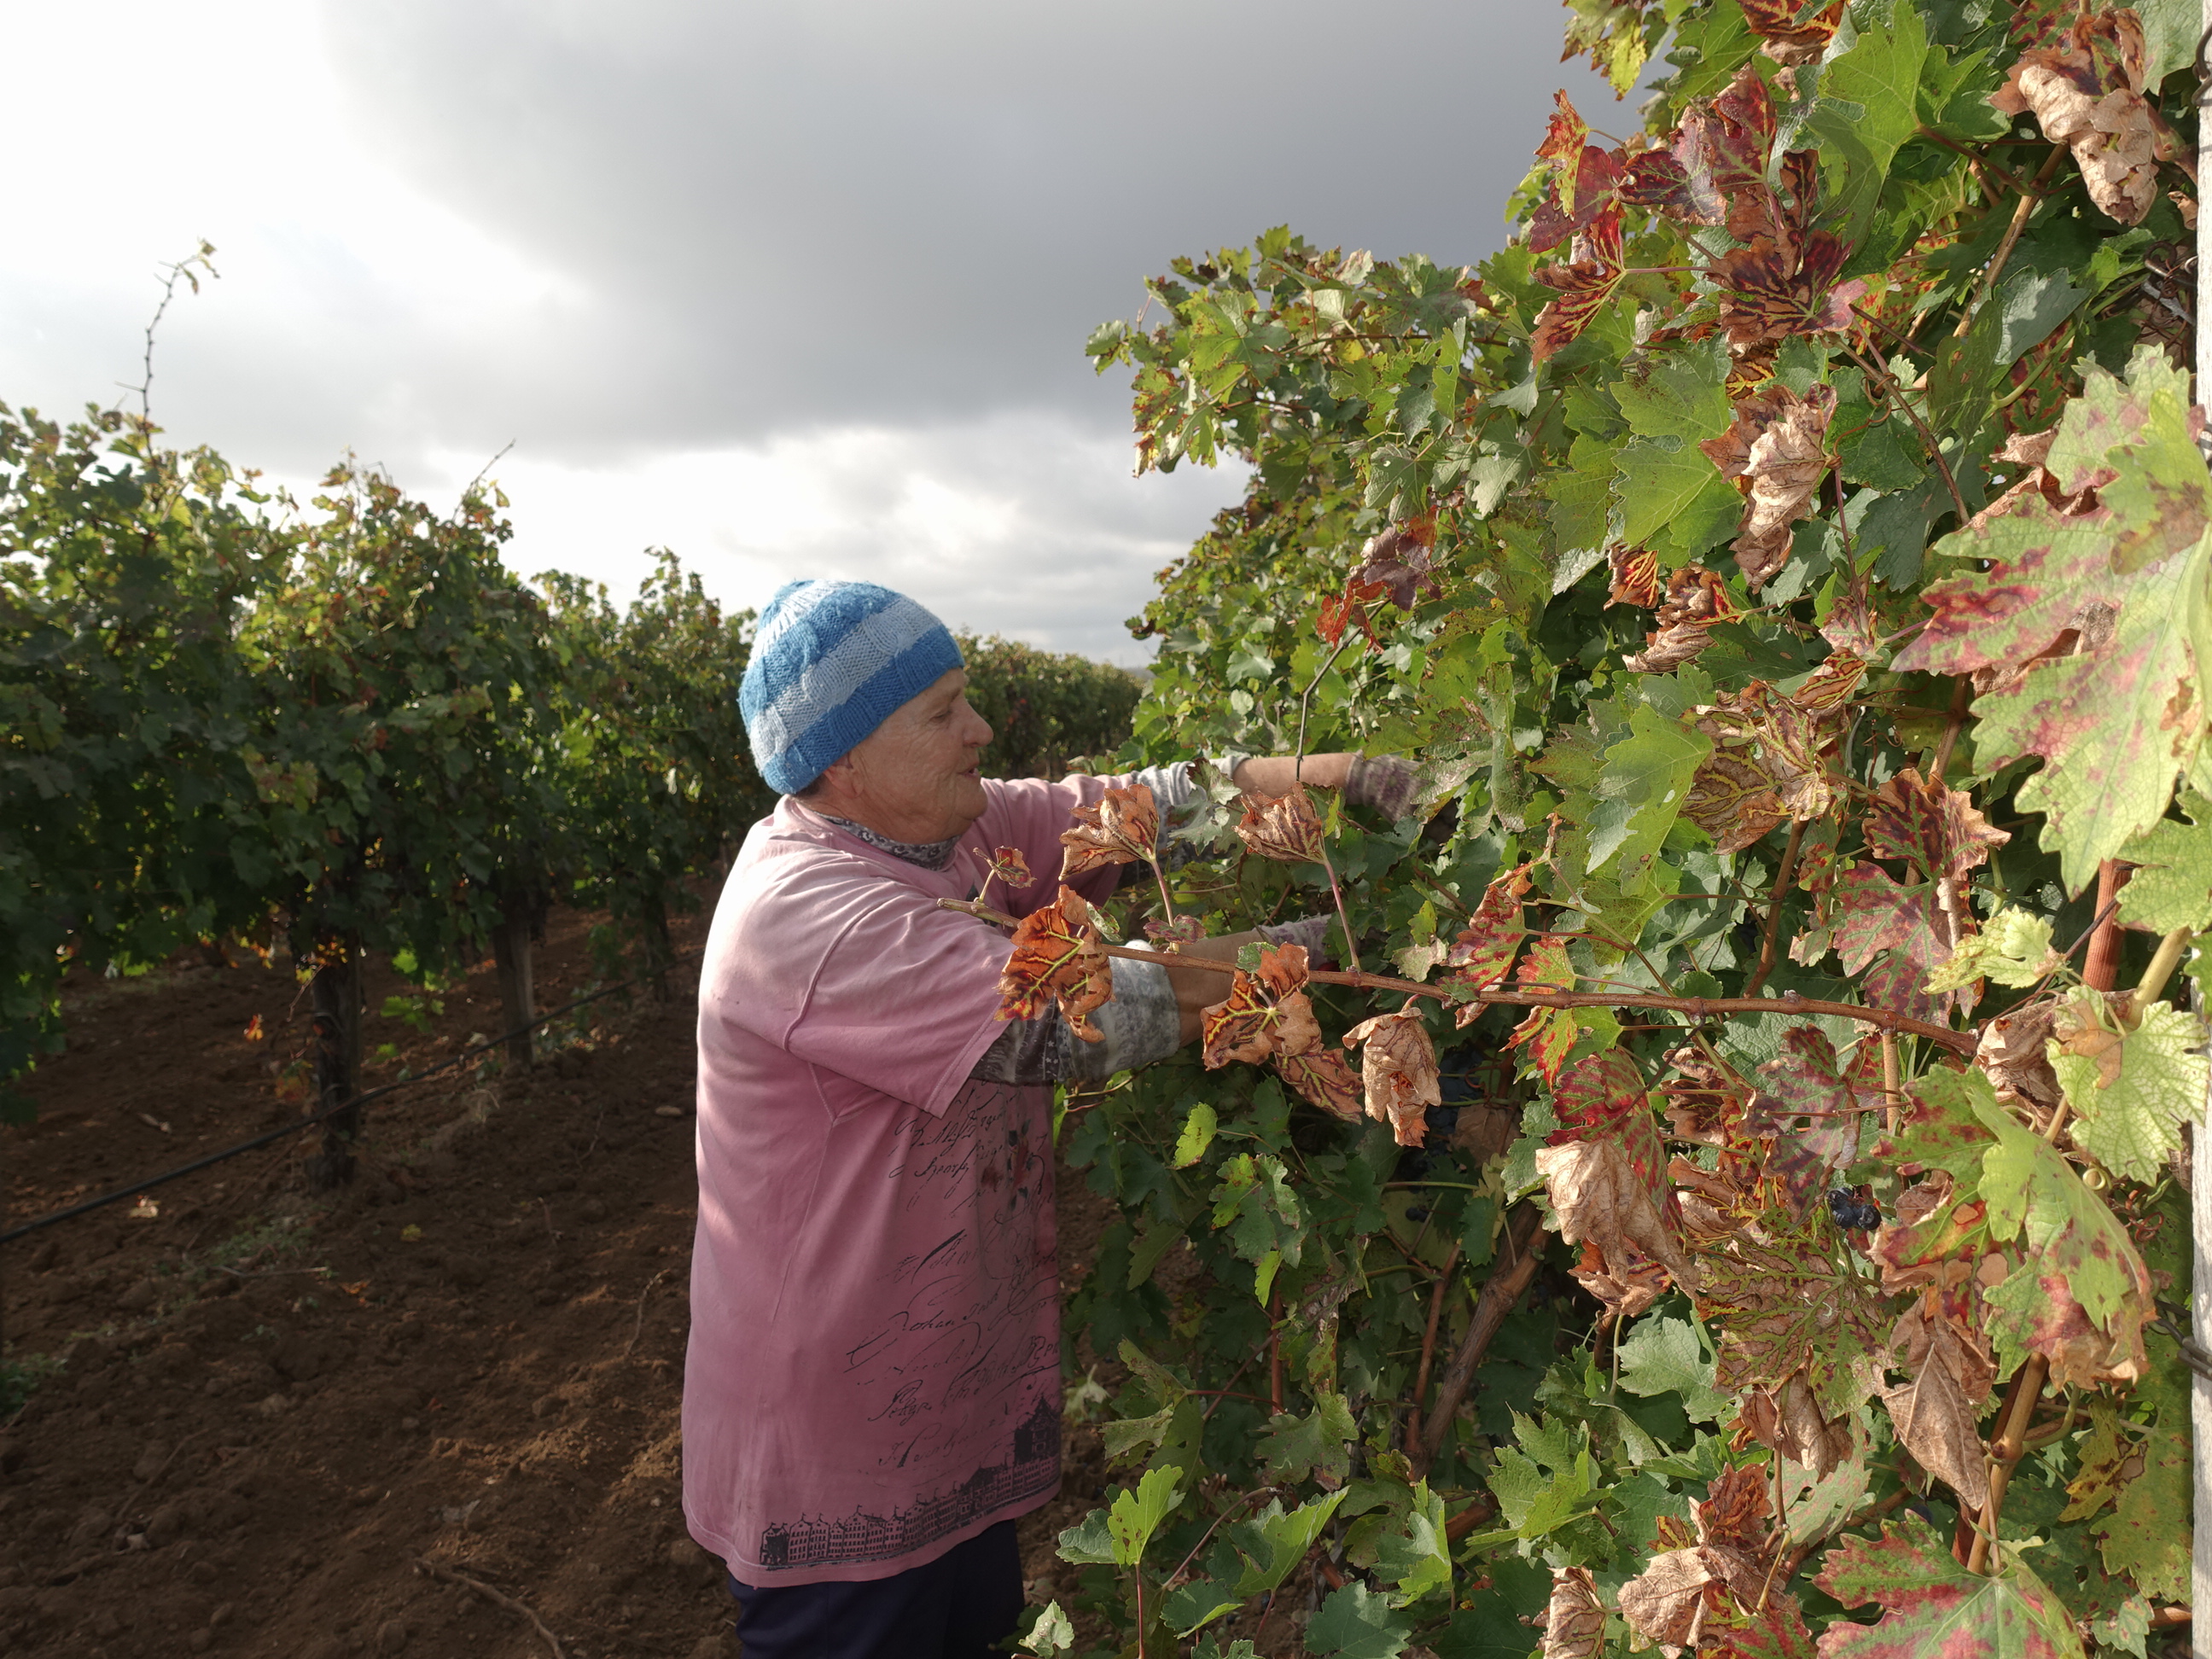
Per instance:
x=862, y=1537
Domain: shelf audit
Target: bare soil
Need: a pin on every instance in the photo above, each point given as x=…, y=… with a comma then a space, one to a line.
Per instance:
x=269, y=1421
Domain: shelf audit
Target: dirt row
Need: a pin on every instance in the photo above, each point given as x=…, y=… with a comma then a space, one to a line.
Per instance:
x=262, y=1420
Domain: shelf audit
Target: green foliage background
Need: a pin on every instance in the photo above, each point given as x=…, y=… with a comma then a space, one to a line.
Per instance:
x=1524, y=450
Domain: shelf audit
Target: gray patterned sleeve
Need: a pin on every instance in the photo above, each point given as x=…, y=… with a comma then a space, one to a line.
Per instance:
x=1142, y=1025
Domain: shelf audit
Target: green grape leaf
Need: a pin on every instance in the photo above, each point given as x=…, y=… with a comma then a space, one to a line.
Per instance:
x=1197, y=1603
x=1051, y=1633
x=1136, y=1514
x=1272, y=1544
x=1419, y=1558
x=1931, y=1605
x=2171, y=886
x=1665, y=1355
x=1659, y=478
x=1866, y=111
x=1355, y=1623
x=2130, y=1098
x=2147, y=1538
x=1642, y=789
x=1089, y=1542
x=1313, y=1446
x=1679, y=394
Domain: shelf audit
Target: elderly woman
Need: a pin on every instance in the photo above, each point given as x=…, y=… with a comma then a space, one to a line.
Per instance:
x=872, y=1391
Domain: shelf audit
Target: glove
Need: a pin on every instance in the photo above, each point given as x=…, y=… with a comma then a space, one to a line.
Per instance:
x=1312, y=932
x=1385, y=782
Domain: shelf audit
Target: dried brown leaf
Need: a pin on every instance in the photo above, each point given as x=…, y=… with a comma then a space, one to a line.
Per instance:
x=1398, y=1066
x=1283, y=827
x=1696, y=600
x=1599, y=1199
x=1937, y=1414
x=1776, y=451
x=2087, y=91
x=1574, y=1623
x=1123, y=828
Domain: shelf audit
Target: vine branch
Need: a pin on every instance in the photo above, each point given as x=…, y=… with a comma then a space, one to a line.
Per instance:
x=1698, y=1008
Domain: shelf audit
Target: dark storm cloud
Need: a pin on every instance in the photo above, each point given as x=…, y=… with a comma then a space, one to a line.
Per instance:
x=792, y=216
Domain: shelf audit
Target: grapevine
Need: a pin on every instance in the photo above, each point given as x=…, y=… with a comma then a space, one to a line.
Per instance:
x=1787, y=562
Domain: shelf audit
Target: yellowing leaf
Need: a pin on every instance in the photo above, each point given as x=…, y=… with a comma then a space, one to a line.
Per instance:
x=2090, y=616
x=2147, y=1538
x=2132, y=1095
x=2082, y=1295
x=2014, y=950
x=2171, y=886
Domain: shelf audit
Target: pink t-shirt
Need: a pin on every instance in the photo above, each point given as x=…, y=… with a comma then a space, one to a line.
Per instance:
x=874, y=1366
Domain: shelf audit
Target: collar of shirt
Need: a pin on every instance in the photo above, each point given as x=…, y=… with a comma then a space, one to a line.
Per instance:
x=929, y=855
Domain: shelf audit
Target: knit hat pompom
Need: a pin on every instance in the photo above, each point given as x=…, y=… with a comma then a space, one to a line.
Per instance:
x=830, y=662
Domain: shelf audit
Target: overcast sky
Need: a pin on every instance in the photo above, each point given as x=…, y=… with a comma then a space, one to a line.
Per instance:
x=794, y=289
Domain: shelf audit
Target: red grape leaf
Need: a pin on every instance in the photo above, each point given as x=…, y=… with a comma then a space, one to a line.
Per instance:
x=1830, y=686
x=1933, y=827
x=1010, y=868
x=1733, y=799
x=1400, y=559
x=1931, y=1605
x=1354, y=604
x=1581, y=190
x=1900, y=934
x=1635, y=577
x=1322, y=1075
x=1058, y=957
x=1485, y=947
x=1564, y=134
x=1548, y=1034
x=1265, y=1012
x=1775, y=1630
x=1123, y=828
x=1585, y=284
x=1398, y=1066
x=1804, y=1078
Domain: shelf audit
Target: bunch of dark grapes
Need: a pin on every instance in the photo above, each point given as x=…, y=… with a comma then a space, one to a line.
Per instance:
x=1852, y=1213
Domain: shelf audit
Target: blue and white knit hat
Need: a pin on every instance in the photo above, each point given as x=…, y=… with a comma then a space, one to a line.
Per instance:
x=830, y=662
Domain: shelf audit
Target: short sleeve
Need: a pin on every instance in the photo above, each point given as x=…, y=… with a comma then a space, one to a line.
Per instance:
x=902, y=997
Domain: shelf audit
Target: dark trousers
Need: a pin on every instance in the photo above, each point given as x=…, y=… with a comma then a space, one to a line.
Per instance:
x=964, y=1605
